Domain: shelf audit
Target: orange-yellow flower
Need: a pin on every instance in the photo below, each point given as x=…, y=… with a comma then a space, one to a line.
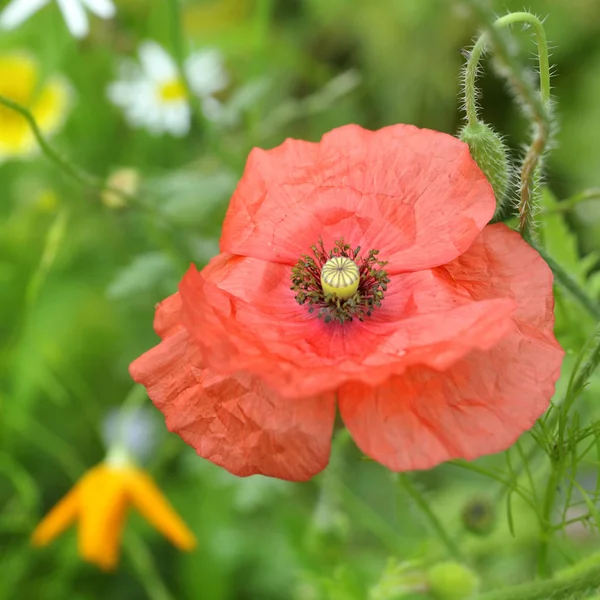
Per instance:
x=100, y=501
x=47, y=99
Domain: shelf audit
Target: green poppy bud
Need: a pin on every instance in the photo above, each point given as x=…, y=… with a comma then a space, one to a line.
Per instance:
x=452, y=581
x=478, y=515
x=490, y=154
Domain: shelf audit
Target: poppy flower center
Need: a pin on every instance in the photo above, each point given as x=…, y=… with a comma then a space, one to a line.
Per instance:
x=340, y=277
x=339, y=285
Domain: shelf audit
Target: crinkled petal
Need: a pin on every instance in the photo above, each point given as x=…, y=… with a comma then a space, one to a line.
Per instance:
x=414, y=194
x=167, y=320
x=242, y=312
x=485, y=401
x=479, y=406
x=236, y=422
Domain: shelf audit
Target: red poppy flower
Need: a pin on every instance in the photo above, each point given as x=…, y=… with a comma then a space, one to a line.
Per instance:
x=434, y=337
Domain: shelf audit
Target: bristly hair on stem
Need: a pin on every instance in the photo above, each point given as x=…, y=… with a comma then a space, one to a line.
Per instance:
x=536, y=105
x=306, y=282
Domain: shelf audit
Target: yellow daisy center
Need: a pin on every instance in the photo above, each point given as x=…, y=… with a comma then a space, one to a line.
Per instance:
x=172, y=91
x=340, y=277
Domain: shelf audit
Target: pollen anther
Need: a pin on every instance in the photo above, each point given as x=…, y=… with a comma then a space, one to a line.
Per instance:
x=340, y=284
x=340, y=277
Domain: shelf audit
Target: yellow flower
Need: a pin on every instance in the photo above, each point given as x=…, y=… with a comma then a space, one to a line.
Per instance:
x=99, y=502
x=47, y=101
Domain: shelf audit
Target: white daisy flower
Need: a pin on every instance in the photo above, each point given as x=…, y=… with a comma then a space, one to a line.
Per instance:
x=153, y=96
x=18, y=11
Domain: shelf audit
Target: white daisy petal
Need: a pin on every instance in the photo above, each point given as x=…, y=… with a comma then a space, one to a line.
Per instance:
x=206, y=72
x=213, y=110
x=74, y=16
x=104, y=9
x=144, y=108
x=18, y=11
x=120, y=93
x=177, y=119
x=156, y=63
x=150, y=94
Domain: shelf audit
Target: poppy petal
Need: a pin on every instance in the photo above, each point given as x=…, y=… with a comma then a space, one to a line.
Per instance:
x=145, y=496
x=486, y=400
x=167, y=319
x=243, y=315
x=414, y=194
x=58, y=519
x=479, y=406
x=236, y=421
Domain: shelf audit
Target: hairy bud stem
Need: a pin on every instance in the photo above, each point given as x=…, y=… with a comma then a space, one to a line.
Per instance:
x=535, y=105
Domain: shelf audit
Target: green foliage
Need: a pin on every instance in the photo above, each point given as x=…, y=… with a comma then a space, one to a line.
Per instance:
x=79, y=280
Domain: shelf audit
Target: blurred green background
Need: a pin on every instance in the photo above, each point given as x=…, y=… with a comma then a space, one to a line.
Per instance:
x=79, y=281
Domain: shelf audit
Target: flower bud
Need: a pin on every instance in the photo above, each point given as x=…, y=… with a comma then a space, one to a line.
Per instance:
x=490, y=154
x=398, y=580
x=452, y=581
x=123, y=182
x=478, y=515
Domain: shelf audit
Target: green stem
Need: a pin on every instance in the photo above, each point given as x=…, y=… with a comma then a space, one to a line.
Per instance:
x=564, y=522
x=179, y=54
x=474, y=57
x=573, y=201
x=524, y=466
x=92, y=182
x=470, y=80
x=22, y=480
x=580, y=377
x=542, y=44
x=143, y=563
x=536, y=106
x=435, y=523
x=584, y=370
x=546, y=523
x=563, y=588
x=364, y=514
x=506, y=484
x=75, y=173
x=53, y=241
x=567, y=282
